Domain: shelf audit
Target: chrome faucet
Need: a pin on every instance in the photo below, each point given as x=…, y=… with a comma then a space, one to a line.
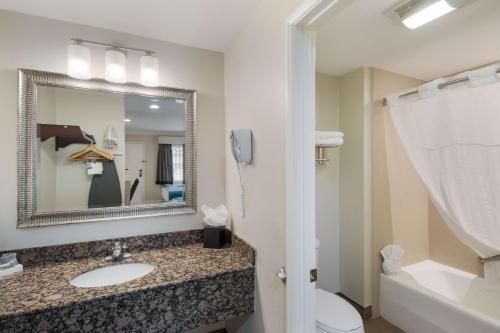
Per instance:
x=119, y=252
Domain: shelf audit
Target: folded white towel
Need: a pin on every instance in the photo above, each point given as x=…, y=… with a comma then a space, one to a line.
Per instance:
x=328, y=134
x=392, y=251
x=330, y=142
x=392, y=255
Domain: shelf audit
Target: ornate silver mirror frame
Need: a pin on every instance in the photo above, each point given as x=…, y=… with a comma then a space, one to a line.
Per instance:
x=29, y=80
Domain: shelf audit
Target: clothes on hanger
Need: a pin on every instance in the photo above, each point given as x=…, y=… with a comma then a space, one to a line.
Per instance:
x=105, y=190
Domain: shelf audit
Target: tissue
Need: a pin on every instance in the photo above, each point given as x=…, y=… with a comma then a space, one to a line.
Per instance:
x=392, y=255
x=215, y=217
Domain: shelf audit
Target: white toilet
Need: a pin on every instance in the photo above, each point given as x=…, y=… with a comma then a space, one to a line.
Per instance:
x=334, y=314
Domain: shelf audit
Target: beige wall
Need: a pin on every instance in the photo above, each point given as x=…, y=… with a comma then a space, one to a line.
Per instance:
x=444, y=246
x=255, y=90
x=343, y=186
x=399, y=199
x=355, y=196
x=327, y=185
x=38, y=43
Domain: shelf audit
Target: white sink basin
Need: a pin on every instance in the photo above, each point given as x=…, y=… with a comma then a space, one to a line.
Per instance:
x=111, y=275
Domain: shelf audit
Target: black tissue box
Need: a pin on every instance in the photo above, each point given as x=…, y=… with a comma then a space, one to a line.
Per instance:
x=214, y=237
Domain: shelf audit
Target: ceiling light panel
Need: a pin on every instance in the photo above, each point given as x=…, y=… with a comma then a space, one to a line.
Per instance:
x=426, y=13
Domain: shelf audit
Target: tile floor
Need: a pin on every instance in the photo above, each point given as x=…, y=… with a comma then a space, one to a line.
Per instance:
x=380, y=325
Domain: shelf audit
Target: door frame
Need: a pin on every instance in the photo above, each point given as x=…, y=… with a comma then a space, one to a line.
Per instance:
x=300, y=178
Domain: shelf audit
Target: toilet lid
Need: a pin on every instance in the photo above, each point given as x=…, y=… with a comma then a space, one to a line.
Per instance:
x=333, y=312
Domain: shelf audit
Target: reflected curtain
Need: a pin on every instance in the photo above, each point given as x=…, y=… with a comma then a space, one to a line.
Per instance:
x=452, y=139
x=164, y=165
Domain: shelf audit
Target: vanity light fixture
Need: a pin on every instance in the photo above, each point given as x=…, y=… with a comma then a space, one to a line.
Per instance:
x=78, y=61
x=115, y=60
x=416, y=13
x=154, y=106
x=116, y=66
x=149, y=70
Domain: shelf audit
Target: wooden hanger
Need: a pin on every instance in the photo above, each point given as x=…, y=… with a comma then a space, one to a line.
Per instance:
x=91, y=153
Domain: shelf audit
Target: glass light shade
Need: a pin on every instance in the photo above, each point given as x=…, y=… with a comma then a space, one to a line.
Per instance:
x=150, y=71
x=78, y=61
x=116, y=66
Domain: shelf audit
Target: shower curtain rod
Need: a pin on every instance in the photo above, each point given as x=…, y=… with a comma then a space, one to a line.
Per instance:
x=440, y=86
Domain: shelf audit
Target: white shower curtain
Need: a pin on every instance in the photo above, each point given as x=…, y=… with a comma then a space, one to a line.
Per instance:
x=452, y=137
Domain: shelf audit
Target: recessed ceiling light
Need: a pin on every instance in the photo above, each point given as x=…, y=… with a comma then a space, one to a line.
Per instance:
x=427, y=14
x=179, y=101
x=127, y=120
x=154, y=106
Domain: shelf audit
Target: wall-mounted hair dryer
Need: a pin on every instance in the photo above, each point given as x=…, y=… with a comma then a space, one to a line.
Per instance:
x=241, y=146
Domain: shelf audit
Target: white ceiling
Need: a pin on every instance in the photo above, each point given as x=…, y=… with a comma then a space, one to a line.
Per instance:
x=361, y=35
x=208, y=24
x=169, y=117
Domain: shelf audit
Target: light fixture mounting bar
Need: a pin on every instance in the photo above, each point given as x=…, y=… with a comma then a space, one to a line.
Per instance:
x=124, y=48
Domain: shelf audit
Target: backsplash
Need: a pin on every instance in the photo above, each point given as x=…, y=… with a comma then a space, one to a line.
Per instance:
x=60, y=253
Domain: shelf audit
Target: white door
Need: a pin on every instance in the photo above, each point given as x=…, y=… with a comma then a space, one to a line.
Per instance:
x=135, y=169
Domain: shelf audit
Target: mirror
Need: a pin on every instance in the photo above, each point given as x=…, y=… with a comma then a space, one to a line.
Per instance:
x=100, y=150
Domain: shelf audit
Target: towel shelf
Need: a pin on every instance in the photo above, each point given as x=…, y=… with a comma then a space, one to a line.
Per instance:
x=324, y=140
x=326, y=146
x=65, y=135
x=321, y=153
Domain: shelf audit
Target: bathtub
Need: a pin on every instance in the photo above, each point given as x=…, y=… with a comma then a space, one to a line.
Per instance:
x=429, y=297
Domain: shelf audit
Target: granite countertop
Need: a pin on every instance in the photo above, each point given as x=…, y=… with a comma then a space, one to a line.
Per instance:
x=48, y=286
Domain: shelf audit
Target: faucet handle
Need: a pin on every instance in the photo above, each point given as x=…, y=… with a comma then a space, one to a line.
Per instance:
x=125, y=255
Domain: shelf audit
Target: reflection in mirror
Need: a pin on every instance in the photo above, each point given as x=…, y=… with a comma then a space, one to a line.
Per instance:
x=97, y=149
x=154, y=150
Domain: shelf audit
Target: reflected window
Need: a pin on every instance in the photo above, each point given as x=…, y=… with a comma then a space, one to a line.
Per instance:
x=178, y=163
